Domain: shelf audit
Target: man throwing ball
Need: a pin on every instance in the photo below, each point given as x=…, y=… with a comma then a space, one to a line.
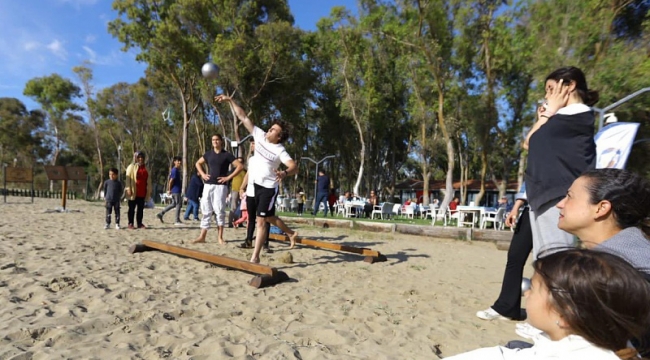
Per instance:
x=270, y=153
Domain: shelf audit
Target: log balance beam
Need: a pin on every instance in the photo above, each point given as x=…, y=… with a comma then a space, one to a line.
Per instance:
x=371, y=255
x=266, y=275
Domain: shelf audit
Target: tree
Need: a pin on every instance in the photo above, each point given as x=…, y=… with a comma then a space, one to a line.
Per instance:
x=85, y=75
x=56, y=96
x=21, y=132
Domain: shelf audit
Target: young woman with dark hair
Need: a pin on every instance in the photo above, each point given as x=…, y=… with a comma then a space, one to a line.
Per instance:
x=588, y=305
x=560, y=148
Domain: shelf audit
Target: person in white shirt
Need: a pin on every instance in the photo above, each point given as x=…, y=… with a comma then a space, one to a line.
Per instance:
x=269, y=153
x=588, y=305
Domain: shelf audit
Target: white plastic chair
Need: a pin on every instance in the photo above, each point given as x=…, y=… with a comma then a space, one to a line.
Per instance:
x=397, y=210
x=165, y=198
x=409, y=211
x=293, y=205
x=340, y=209
x=284, y=204
x=385, y=209
x=495, y=217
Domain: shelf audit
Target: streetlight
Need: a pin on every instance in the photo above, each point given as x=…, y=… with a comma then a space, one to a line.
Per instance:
x=317, y=163
x=235, y=145
x=119, y=162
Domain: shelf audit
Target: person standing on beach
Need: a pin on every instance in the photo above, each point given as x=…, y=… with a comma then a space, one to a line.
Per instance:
x=269, y=153
x=113, y=190
x=322, y=190
x=193, y=193
x=215, y=190
x=235, y=199
x=174, y=188
x=138, y=189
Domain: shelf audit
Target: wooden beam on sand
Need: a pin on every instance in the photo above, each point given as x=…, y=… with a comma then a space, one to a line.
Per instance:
x=266, y=275
x=371, y=255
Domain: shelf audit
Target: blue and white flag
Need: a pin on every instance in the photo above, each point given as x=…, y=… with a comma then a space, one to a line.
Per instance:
x=614, y=143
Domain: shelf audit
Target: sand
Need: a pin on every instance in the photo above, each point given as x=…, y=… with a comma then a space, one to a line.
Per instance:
x=70, y=289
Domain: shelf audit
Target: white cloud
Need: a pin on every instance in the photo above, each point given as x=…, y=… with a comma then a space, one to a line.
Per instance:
x=31, y=45
x=90, y=38
x=56, y=47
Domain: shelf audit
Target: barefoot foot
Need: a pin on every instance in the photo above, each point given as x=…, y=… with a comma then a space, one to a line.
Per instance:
x=255, y=260
x=198, y=240
x=222, y=242
x=292, y=239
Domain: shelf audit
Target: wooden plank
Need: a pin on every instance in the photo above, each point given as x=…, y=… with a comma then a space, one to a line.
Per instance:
x=326, y=245
x=213, y=259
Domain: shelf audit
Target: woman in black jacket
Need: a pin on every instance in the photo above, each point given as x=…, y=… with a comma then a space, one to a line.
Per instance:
x=560, y=148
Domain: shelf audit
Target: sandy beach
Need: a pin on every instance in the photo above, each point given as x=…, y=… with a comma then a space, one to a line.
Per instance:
x=70, y=289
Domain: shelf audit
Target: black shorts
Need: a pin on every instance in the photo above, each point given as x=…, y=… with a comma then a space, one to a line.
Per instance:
x=265, y=200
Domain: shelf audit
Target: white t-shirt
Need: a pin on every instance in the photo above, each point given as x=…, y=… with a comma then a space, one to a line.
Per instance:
x=269, y=157
x=570, y=348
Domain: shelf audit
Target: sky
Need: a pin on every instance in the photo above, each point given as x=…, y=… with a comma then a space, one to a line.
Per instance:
x=42, y=37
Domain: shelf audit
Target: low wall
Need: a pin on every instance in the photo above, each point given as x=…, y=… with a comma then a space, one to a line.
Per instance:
x=500, y=238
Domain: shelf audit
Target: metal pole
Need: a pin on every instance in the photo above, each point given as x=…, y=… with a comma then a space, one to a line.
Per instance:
x=316, y=185
x=616, y=104
x=119, y=162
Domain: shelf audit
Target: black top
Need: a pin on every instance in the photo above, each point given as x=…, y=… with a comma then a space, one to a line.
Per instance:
x=113, y=190
x=558, y=153
x=195, y=188
x=217, y=164
x=323, y=184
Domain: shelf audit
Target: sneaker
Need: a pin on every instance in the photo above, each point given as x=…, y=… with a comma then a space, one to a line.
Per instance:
x=160, y=217
x=186, y=219
x=267, y=250
x=197, y=219
x=131, y=227
x=107, y=226
x=178, y=223
x=142, y=226
x=489, y=314
x=117, y=226
x=527, y=331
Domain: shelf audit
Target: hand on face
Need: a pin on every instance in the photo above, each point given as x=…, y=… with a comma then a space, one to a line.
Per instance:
x=557, y=95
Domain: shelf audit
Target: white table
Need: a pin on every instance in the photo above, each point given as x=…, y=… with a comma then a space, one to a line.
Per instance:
x=358, y=205
x=474, y=212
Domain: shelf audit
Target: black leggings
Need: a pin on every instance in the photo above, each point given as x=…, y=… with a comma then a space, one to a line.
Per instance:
x=509, y=302
x=251, y=208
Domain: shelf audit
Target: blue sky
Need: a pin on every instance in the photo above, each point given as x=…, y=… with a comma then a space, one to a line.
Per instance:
x=42, y=37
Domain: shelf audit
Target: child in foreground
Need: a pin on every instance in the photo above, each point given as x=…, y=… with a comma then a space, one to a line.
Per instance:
x=587, y=303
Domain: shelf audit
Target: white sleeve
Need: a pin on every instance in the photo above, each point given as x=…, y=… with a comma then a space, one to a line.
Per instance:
x=490, y=353
x=258, y=134
x=285, y=157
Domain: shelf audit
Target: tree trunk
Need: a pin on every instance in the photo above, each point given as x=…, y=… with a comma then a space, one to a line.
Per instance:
x=449, y=181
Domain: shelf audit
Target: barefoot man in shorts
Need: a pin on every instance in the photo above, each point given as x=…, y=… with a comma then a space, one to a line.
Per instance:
x=269, y=153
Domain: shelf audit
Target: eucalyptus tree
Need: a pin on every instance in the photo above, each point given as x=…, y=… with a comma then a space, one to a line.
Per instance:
x=171, y=38
x=427, y=29
x=21, y=133
x=56, y=95
x=129, y=115
x=85, y=75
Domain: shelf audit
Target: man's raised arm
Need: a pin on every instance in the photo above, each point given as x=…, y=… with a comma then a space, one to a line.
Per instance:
x=239, y=112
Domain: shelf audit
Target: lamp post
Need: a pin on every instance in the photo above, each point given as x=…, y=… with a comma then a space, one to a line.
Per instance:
x=317, y=163
x=119, y=162
x=235, y=144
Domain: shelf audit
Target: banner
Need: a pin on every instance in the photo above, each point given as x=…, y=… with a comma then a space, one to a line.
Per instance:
x=614, y=143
